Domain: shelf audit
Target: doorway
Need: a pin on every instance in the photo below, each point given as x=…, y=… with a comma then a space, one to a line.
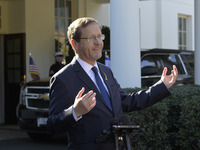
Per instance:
x=14, y=65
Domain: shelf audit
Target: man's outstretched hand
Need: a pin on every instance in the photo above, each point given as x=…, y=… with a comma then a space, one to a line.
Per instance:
x=170, y=79
x=84, y=103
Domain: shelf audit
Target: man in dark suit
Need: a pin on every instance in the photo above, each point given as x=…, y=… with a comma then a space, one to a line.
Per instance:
x=84, y=100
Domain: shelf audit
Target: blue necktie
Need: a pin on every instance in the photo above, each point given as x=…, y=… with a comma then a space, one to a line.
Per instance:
x=102, y=88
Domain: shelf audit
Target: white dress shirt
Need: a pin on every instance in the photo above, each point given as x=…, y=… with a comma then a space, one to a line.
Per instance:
x=88, y=69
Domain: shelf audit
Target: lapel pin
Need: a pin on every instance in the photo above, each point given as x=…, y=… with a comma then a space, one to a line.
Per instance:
x=105, y=77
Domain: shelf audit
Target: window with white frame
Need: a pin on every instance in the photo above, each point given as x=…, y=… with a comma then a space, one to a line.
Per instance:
x=184, y=32
x=63, y=17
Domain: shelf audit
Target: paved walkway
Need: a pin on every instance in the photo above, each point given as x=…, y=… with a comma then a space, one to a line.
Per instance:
x=11, y=132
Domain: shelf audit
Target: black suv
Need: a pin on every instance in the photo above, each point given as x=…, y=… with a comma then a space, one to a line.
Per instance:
x=153, y=61
x=32, y=110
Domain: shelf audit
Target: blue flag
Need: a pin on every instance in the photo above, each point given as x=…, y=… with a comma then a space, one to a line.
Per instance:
x=107, y=60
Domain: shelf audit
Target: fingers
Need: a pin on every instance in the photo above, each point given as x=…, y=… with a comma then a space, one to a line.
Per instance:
x=92, y=102
x=164, y=71
x=86, y=97
x=80, y=93
x=171, y=79
x=89, y=99
x=84, y=103
x=174, y=73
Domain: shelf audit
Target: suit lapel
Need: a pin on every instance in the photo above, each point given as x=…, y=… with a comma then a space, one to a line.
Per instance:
x=83, y=76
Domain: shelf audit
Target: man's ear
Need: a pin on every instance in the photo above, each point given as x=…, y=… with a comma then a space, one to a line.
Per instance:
x=74, y=44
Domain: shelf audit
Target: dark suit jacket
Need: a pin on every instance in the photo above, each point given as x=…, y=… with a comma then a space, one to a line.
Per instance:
x=66, y=84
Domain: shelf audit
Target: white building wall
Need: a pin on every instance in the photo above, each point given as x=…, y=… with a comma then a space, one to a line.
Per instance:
x=95, y=9
x=171, y=9
x=159, y=22
x=148, y=24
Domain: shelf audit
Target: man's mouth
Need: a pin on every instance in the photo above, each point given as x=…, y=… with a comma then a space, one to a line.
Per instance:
x=96, y=50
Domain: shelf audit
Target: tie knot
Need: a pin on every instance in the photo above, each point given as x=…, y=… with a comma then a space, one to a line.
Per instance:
x=95, y=70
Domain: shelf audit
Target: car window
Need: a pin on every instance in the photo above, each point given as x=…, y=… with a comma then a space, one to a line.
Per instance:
x=148, y=61
x=149, y=66
x=172, y=59
x=188, y=60
x=153, y=64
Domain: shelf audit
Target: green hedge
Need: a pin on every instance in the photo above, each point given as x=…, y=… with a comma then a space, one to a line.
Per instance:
x=171, y=124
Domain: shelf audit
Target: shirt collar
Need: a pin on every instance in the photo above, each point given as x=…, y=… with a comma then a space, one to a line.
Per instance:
x=87, y=67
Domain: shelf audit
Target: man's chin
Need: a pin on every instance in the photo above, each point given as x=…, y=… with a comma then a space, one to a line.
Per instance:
x=99, y=57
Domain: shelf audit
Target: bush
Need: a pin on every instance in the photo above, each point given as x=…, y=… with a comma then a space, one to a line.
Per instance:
x=189, y=133
x=172, y=123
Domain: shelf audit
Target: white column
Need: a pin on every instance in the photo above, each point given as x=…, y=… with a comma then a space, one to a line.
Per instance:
x=125, y=42
x=197, y=42
x=159, y=23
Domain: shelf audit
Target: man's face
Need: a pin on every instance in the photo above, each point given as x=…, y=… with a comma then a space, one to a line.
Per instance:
x=59, y=58
x=91, y=50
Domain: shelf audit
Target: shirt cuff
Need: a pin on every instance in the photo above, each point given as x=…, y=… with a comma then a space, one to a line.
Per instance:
x=74, y=115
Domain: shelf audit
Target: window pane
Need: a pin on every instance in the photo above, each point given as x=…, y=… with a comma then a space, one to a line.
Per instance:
x=57, y=44
x=17, y=61
x=10, y=61
x=10, y=45
x=61, y=26
x=180, y=24
x=184, y=39
x=62, y=21
x=11, y=76
x=180, y=38
x=68, y=21
x=56, y=26
x=148, y=61
x=184, y=24
x=13, y=45
x=61, y=8
x=62, y=41
x=68, y=8
x=183, y=32
x=17, y=45
x=56, y=7
x=148, y=66
x=17, y=76
x=13, y=61
x=170, y=60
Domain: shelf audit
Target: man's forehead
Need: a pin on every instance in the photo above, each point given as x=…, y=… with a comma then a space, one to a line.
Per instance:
x=91, y=29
